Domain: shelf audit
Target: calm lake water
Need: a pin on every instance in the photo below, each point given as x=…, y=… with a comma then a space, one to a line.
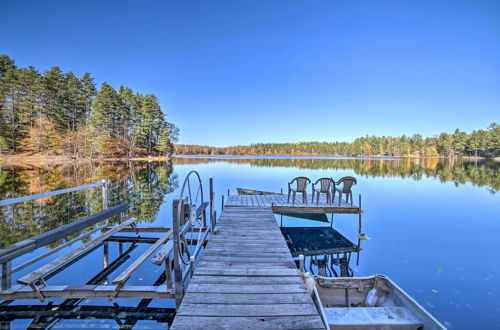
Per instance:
x=433, y=223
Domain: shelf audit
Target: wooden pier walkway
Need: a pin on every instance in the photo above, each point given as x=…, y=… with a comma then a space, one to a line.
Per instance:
x=247, y=278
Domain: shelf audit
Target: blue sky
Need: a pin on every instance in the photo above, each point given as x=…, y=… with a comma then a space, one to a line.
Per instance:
x=236, y=72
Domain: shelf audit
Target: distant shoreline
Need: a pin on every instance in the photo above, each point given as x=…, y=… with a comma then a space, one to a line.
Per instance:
x=51, y=159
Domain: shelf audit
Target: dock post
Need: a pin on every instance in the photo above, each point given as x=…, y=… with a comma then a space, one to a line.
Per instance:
x=222, y=207
x=104, y=194
x=105, y=197
x=105, y=247
x=7, y=275
x=360, y=216
x=228, y=192
x=191, y=265
x=211, y=197
x=176, y=224
x=168, y=273
x=301, y=262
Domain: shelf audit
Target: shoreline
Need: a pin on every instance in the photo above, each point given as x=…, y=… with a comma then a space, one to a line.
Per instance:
x=26, y=159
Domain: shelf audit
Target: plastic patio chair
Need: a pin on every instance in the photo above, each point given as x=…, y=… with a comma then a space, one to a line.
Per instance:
x=348, y=182
x=327, y=186
x=301, y=187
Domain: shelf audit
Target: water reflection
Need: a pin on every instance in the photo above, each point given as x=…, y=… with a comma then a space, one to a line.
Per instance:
x=141, y=184
x=482, y=173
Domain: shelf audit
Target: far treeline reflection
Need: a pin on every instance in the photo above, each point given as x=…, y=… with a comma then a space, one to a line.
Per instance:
x=482, y=173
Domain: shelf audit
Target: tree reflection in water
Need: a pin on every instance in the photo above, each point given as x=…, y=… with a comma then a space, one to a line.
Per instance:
x=141, y=184
x=482, y=173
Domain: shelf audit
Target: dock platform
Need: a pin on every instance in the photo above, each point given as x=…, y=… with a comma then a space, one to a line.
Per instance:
x=246, y=277
x=280, y=204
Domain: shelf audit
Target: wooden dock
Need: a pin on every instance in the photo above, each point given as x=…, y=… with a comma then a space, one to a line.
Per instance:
x=280, y=204
x=246, y=277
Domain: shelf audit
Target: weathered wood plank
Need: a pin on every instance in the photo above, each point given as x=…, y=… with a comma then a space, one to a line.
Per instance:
x=213, y=252
x=248, y=299
x=246, y=265
x=88, y=291
x=237, y=288
x=264, y=280
x=268, y=322
x=247, y=260
x=239, y=310
x=216, y=271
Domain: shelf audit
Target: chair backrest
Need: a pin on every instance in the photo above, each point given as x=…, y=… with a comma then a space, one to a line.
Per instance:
x=326, y=184
x=348, y=181
x=302, y=182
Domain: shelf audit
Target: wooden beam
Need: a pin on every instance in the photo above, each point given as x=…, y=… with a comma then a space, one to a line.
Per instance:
x=125, y=275
x=86, y=291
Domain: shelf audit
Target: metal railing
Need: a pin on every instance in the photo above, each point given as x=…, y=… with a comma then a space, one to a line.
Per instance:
x=35, y=242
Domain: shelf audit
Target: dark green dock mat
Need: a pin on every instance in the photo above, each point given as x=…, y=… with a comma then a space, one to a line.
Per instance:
x=311, y=241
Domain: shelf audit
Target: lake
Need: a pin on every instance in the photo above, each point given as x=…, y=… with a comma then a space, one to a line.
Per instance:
x=431, y=222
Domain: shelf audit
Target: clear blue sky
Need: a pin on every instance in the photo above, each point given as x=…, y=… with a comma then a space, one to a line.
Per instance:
x=237, y=72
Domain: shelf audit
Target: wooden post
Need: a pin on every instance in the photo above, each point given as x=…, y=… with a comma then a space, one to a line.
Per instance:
x=211, y=197
x=7, y=275
x=301, y=262
x=222, y=207
x=168, y=273
x=360, y=220
x=105, y=247
x=104, y=194
x=331, y=224
x=191, y=265
x=179, y=286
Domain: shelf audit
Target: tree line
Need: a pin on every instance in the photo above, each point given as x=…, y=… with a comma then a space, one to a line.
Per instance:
x=480, y=172
x=55, y=112
x=483, y=143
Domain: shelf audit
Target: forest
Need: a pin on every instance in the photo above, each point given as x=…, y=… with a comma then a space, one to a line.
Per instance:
x=57, y=113
x=483, y=143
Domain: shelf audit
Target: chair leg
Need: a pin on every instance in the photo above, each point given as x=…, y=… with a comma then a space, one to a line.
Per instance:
x=317, y=198
x=304, y=197
x=293, y=198
x=340, y=197
x=328, y=197
x=312, y=197
x=288, y=200
x=351, y=197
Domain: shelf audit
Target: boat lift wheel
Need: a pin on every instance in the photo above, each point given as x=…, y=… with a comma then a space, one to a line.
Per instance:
x=190, y=200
